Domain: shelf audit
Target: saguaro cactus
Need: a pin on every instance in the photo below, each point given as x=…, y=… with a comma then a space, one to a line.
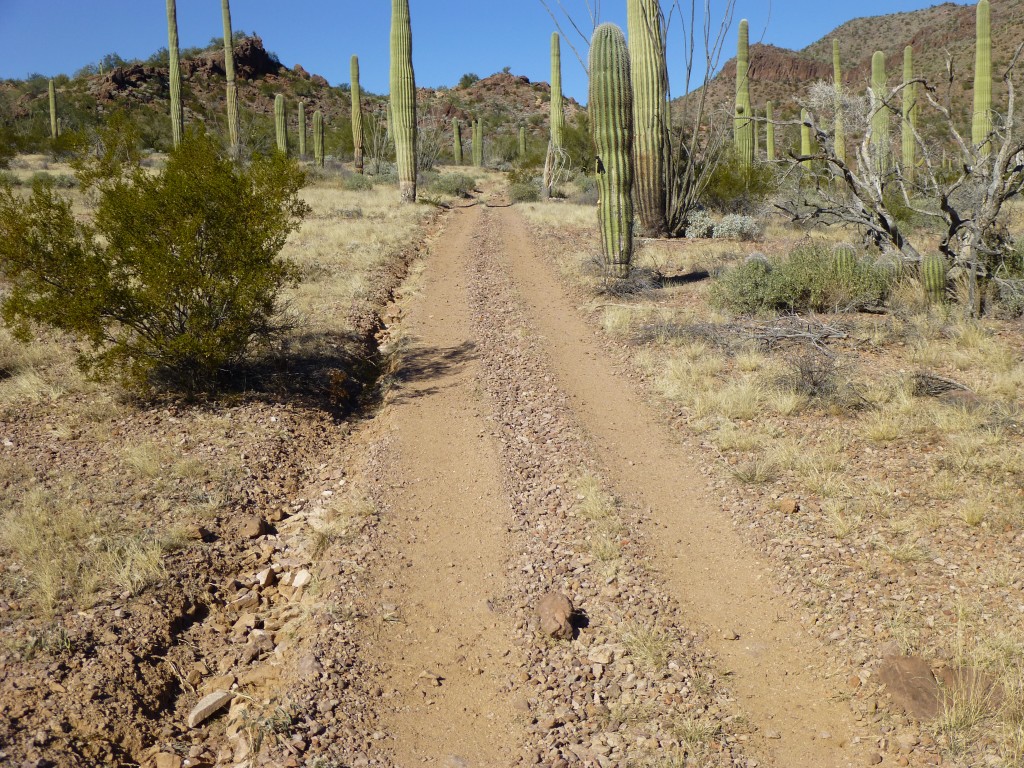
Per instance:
x=522, y=141
x=805, y=137
x=909, y=125
x=650, y=95
x=880, y=115
x=403, y=99
x=457, y=141
x=981, y=124
x=318, y=139
x=54, y=128
x=611, y=125
x=933, y=277
x=837, y=80
x=742, y=126
x=478, y=143
x=557, y=119
x=769, y=142
x=280, y=123
x=302, y=129
x=229, y=74
x=177, y=115
x=356, y=93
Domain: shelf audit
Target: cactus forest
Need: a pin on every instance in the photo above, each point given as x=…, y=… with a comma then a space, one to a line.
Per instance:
x=560, y=384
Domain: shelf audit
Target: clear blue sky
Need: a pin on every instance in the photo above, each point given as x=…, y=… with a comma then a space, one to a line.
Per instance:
x=449, y=38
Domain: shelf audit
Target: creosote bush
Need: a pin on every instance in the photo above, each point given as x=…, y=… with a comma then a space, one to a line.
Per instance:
x=805, y=280
x=174, y=279
x=454, y=184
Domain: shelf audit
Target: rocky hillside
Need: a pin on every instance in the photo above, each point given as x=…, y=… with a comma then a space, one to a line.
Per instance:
x=783, y=75
x=504, y=101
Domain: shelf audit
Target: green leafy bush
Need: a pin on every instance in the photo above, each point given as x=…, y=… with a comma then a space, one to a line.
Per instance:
x=454, y=184
x=176, y=276
x=356, y=182
x=806, y=280
x=734, y=188
x=524, y=191
x=735, y=226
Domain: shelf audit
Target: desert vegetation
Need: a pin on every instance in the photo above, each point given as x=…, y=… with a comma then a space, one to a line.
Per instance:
x=341, y=455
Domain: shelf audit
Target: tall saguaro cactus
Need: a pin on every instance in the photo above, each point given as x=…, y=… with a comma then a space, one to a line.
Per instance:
x=54, y=127
x=356, y=93
x=880, y=115
x=522, y=141
x=177, y=115
x=611, y=125
x=981, y=124
x=403, y=99
x=769, y=141
x=280, y=124
x=805, y=137
x=229, y=74
x=909, y=125
x=478, y=143
x=649, y=75
x=457, y=141
x=837, y=80
x=302, y=129
x=743, y=135
x=318, y=139
x=557, y=119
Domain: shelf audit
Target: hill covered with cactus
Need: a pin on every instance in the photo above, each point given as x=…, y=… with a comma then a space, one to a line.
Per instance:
x=783, y=75
x=504, y=101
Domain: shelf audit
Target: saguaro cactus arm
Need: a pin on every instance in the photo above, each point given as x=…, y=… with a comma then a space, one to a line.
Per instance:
x=54, y=126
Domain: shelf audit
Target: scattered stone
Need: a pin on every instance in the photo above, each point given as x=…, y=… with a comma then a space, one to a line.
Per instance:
x=208, y=706
x=910, y=682
x=730, y=634
x=167, y=760
x=772, y=734
x=252, y=527
x=302, y=579
x=555, y=611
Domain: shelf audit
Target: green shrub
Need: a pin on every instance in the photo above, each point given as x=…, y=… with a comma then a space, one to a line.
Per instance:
x=524, y=192
x=805, y=280
x=58, y=180
x=356, y=182
x=454, y=184
x=176, y=277
x=735, y=226
x=735, y=188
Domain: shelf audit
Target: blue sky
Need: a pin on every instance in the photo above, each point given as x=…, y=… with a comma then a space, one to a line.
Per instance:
x=449, y=39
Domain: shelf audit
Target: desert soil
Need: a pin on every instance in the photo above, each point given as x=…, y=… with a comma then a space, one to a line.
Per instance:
x=377, y=605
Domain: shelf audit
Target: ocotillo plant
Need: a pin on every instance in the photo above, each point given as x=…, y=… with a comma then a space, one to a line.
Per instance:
x=229, y=74
x=522, y=141
x=742, y=125
x=318, y=139
x=54, y=130
x=611, y=125
x=557, y=119
x=280, y=123
x=805, y=137
x=981, y=124
x=933, y=277
x=177, y=115
x=837, y=84
x=403, y=99
x=457, y=141
x=909, y=124
x=302, y=129
x=880, y=115
x=769, y=115
x=356, y=93
x=650, y=97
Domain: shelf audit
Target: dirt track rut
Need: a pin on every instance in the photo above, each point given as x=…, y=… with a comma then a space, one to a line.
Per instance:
x=457, y=526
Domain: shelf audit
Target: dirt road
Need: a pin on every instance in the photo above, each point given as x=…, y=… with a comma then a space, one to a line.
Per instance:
x=504, y=400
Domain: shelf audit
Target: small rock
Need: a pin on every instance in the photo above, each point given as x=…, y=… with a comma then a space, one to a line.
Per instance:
x=555, y=611
x=302, y=578
x=730, y=634
x=874, y=758
x=252, y=526
x=167, y=760
x=601, y=655
x=788, y=506
x=208, y=706
x=772, y=735
x=266, y=578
